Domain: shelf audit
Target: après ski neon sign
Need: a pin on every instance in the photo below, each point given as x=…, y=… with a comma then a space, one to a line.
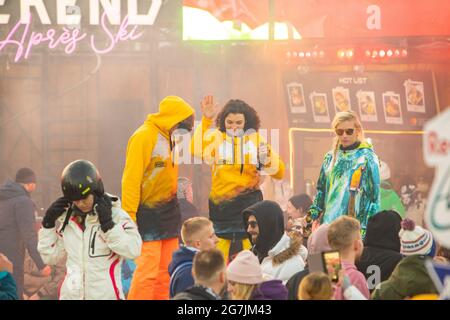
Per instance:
x=68, y=38
x=22, y=39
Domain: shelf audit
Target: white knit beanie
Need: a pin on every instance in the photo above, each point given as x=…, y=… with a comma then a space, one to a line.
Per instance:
x=414, y=239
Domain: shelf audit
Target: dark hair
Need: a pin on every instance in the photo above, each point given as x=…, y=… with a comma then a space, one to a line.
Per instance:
x=25, y=175
x=207, y=264
x=301, y=201
x=444, y=252
x=238, y=106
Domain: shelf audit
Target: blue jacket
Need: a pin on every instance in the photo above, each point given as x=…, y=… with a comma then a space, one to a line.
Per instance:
x=7, y=287
x=128, y=268
x=183, y=278
x=333, y=187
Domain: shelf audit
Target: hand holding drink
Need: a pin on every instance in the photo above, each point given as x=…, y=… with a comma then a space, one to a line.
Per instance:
x=264, y=153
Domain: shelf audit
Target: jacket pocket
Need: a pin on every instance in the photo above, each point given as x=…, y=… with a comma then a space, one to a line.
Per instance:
x=97, y=244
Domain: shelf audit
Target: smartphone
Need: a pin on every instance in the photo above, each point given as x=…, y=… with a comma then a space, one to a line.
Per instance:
x=328, y=262
x=332, y=264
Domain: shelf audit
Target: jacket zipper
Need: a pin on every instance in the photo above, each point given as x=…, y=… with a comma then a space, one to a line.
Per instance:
x=84, y=267
x=93, y=243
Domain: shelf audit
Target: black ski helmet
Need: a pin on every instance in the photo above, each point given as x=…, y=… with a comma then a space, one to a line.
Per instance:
x=80, y=179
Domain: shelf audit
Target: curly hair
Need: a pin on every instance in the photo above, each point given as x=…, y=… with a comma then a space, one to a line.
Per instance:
x=238, y=106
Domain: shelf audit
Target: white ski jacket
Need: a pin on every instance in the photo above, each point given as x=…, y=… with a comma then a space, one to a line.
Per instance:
x=94, y=258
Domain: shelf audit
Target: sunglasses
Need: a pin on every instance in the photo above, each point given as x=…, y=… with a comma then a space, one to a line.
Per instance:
x=349, y=132
x=253, y=224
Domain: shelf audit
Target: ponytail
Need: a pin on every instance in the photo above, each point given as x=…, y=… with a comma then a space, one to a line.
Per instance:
x=335, y=149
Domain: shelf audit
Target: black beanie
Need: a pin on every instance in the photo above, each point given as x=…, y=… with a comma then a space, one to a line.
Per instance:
x=25, y=175
x=382, y=230
x=301, y=201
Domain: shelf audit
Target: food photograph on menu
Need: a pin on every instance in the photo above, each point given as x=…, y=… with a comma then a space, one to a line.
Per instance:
x=392, y=108
x=415, y=98
x=367, y=106
x=341, y=99
x=296, y=98
x=320, y=107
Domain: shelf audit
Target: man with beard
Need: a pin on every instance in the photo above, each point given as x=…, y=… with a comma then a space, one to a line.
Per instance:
x=281, y=254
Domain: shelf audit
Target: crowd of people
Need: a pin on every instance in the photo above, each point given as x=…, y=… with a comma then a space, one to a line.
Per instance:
x=152, y=244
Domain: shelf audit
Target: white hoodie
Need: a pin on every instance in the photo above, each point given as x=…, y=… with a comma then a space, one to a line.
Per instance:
x=288, y=268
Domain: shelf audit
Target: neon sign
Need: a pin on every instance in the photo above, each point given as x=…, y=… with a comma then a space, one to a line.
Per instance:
x=68, y=12
x=68, y=38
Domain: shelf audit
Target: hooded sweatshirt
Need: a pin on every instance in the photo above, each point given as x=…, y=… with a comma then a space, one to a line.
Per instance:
x=234, y=160
x=17, y=225
x=150, y=176
x=270, y=223
x=183, y=278
x=381, y=245
x=236, y=170
x=333, y=186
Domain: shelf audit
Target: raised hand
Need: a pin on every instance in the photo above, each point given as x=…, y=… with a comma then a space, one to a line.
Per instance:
x=209, y=108
x=55, y=210
x=103, y=208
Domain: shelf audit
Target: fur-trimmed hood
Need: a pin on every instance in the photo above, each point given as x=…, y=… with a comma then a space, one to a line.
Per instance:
x=285, y=259
x=288, y=247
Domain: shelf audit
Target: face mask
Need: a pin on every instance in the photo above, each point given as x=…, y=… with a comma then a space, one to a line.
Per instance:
x=235, y=133
x=185, y=125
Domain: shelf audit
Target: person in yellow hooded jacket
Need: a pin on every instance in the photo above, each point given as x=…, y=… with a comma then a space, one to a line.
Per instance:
x=238, y=155
x=149, y=195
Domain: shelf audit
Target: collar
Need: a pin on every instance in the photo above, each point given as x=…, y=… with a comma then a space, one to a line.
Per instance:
x=77, y=212
x=348, y=264
x=210, y=291
x=192, y=249
x=350, y=147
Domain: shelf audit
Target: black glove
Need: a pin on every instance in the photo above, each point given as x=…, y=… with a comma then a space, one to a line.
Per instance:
x=103, y=207
x=55, y=210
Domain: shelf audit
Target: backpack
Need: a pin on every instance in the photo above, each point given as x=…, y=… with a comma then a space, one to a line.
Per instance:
x=181, y=267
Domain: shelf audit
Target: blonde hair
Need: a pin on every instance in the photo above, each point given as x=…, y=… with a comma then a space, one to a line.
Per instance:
x=242, y=291
x=342, y=231
x=191, y=227
x=342, y=117
x=315, y=286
